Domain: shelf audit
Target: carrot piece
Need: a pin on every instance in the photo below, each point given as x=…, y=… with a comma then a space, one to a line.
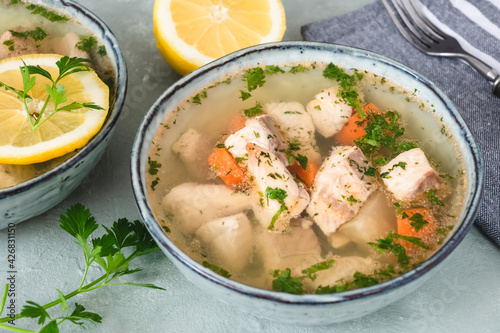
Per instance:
x=236, y=123
x=424, y=232
x=227, y=168
x=355, y=126
x=307, y=175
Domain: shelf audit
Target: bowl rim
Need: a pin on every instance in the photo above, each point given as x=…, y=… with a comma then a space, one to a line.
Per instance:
x=138, y=184
x=77, y=13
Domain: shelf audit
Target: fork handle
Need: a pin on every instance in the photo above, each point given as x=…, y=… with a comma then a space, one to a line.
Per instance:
x=486, y=71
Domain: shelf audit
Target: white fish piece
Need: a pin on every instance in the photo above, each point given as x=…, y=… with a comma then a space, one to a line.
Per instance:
x=193, y=204
x=340, y=188
x=11, y=46
x=372, y=222
x=192, y=148
x=409, y=174
x=260, y=131
x=11, y=175
x=297, y=249
x=66, y=46
x=342, y=271
x=329, y=113
x=293, y=120
x=269, y=172
x=230, y=240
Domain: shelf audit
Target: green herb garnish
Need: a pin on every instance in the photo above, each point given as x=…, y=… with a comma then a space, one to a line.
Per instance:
x=245, y=95
x=284, y=282
x=347, y=84
x=431, y=195
x=418, y=221
x=279, y=195
x=49, y=15
x=271, y=70
x=311, y=271
x=107, y=251
x=253, y=111
x=255, y=78
x=153, y=166
x=219, y=270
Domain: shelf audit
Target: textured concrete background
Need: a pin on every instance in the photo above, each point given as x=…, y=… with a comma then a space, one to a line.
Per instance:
x=463, y=296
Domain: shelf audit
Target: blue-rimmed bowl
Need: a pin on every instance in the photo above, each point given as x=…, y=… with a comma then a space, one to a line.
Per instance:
x=306, y=309
x=33, y=197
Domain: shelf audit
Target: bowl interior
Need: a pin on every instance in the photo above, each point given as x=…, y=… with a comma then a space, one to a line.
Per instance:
x=294, y=53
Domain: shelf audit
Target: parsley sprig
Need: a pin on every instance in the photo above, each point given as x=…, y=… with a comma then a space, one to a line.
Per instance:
x=106, y=251
x=56, y=91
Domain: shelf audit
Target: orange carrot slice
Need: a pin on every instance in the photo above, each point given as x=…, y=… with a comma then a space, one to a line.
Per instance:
x=411, y=222
x=307, y=175
x=226, y=167
x=355, y=127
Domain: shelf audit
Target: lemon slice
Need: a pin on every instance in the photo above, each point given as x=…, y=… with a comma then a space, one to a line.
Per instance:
x=191, y=33
x=62, y=133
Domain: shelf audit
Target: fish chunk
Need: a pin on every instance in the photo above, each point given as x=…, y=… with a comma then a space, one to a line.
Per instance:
x=329, y=113
x=293, y=120
x=11, y=46
x=11, y=175
x=230, y=240
x=277, y=198
x=192, y=148
x=340, y=188
x=409, y=175
x=193, y=204
x=297, y=249
x=260, y=131
x=67, y=46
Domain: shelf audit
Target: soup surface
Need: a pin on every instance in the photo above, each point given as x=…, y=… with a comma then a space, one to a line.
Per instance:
x=306, y=178
x=32, y=29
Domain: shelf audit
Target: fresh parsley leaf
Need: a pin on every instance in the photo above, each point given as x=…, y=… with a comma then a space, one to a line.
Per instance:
x=34, y=310
x=49, y=15
x=387, y=244
x=311, y=271
x=362, y=281
x=255, y=78
x=297, y=69
x=272, y=69
x=153, y=166
x=51, y=327
x=302, y=161
x=418, y=221
x=79, y=315
x=431, y=195
x=279, y=195
x=332, y=289
x=253, y=111
x=219, y=270
x=413, y=240
x=78, y=222
x=284, y=282
x=245, y=95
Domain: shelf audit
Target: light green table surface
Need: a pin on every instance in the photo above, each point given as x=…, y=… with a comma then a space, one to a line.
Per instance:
x=463, y=296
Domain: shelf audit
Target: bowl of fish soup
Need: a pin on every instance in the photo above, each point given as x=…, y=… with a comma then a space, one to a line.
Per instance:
x=417, y=189
x=64, y=28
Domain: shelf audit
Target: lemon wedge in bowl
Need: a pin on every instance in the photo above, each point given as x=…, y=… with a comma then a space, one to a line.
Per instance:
x=191, y=33
x=62, y=131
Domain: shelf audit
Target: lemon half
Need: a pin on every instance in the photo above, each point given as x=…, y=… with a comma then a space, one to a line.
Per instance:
x=62, y=133
x=191, y=33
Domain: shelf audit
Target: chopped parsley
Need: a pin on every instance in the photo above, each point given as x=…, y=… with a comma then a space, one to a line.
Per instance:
x=417, y=221
x=255, y=78
x=216, y=269
x=37, y=34
x=297, y=69
x=245, y=95
x=311, y=271
x=387, y=244
x=48, y=14
x=272, y=69
x=279, y=195
x=382, y=130
x=431, y=195
x=153, y=166
x=89, y=43
x=284, y=282
x=197, y=98
x=253, y=111
x=347, y=84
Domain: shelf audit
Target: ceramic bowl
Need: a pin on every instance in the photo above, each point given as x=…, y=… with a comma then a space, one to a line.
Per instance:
x=306, y=309
x=33, y=197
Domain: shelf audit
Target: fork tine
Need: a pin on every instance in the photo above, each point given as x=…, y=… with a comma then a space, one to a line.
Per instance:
x=414, y=10
x=408, y=31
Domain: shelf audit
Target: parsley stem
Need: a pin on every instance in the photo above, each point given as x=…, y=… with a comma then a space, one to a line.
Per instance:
x=4, y=298
x=15, y=329
x=41, y=114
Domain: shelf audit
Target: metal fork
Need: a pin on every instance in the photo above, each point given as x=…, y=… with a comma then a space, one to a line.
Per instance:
x=425, y=36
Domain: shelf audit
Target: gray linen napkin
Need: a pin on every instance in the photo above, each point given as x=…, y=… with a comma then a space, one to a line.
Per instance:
x=371, y=28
